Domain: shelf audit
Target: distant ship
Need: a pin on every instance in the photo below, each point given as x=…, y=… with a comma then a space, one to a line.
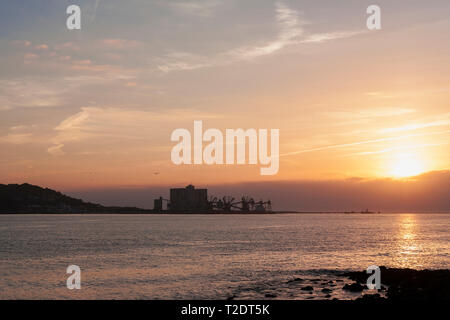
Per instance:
x=367, y=211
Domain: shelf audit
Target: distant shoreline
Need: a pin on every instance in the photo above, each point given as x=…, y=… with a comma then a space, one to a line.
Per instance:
x=30, y=199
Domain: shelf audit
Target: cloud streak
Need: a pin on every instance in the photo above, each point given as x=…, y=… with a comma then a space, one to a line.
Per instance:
x=345, y=145
x=195, y=7
x=425, y=145
x=416, y=126
x=290, y=32
x=115, y=124
x=323, y=37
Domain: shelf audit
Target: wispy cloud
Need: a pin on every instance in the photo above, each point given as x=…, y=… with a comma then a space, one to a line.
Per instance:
x=56, y=150
x=17, y=138
x=200, y=8
x=290, y=32
x=29, y=56
x=27, y=93
x=369, y=113
x=91, y=13
x=24, y=43
x=112, y=124
x=345, y=145
x=119, y=44
x=443, y=121
x=322, y=37
x=386, y=150
x=181, y=61
x=21, y=134
x=41, y=47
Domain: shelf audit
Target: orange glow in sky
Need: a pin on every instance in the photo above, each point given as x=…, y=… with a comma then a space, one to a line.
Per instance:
x=96, y=107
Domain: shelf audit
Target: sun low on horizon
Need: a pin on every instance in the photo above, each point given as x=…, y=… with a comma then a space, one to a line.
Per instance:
x=407, y=165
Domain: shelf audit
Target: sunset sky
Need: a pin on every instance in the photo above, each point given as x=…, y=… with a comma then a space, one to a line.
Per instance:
x=94, y=108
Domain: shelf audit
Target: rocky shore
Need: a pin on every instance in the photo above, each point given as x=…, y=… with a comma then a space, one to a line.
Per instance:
x=396, y=285
x=405, y=284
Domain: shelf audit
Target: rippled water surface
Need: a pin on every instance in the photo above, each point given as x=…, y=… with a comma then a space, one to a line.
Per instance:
x=209, y=256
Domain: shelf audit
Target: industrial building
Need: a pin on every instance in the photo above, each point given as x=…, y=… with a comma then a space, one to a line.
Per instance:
x=188, y=199
x=192, y=200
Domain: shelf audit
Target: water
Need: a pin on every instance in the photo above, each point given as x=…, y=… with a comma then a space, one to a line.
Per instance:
x=209, y=256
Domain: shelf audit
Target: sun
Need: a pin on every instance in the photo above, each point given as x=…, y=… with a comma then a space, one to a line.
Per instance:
x=407, y=165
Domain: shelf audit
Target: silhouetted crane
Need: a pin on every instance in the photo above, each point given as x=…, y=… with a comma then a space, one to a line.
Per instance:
x=246, y=204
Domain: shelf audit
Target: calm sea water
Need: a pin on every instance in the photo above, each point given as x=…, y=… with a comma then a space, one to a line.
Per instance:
x=208, y=256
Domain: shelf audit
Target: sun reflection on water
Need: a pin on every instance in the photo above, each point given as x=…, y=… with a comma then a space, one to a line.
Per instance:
x=408, y=246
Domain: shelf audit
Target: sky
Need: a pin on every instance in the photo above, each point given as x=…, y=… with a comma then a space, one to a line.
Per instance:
x=93, y=109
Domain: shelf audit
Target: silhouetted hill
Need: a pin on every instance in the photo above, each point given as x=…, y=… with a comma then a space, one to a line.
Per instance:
x=26, y=198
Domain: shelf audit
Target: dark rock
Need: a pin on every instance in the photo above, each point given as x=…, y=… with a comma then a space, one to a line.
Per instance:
x=307, y=288
x=270, y=295
x=371, y=297
x=354, y=287
x=326, y=290
x=409, y=284
x=295, y=280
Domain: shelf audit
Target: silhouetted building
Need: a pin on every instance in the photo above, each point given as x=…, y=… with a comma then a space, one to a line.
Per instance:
x=191, y=200
x=158, y=204
x=188, y=199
